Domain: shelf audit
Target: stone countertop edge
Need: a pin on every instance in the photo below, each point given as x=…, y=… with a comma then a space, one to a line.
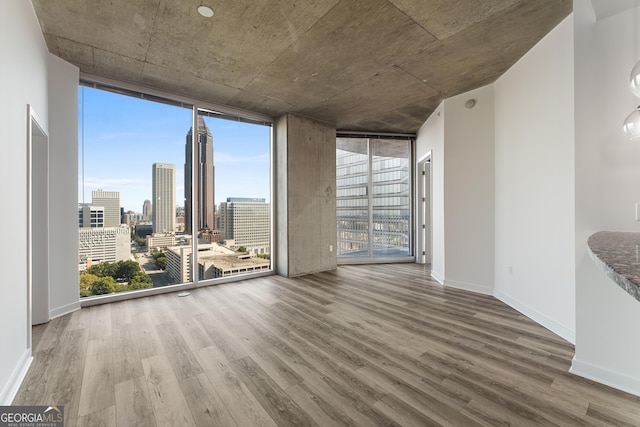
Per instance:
x=618, y=255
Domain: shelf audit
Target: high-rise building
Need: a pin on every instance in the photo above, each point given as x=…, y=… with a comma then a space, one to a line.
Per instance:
x=110, y=201
x=147, y=208
x=103, y=244
x=163, y=217
x=204, y=179
x=246, y=222
x=90, y=216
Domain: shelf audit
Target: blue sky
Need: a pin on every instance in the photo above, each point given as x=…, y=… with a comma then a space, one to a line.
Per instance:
x=121, y=137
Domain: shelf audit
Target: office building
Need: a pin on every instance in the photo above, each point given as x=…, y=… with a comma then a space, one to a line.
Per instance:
x=163, y=216
x=204, y=176
x=103, y=244
x=147, y=209
x=216, y=266
x=110, y=202
x=158, y=241
x=90, y=216
x=245, y=221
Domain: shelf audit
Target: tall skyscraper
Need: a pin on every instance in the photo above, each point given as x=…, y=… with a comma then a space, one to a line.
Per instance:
x=163, y=217
x=204, y=179
x=110, y=201
x=147, y=208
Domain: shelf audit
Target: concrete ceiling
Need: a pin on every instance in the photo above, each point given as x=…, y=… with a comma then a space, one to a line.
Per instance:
x=371, y=65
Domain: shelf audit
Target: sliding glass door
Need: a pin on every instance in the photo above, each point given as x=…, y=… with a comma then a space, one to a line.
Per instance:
x=374, y=214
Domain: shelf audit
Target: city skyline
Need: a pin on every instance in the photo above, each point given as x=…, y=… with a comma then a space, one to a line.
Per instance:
x=121, y=137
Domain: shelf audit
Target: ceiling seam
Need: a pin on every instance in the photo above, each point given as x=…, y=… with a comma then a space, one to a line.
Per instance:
x=153, y=26
x=414, y=21
x=286, y=49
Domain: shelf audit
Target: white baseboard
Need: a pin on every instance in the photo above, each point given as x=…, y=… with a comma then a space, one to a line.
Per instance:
x=605, y=376
x=538, y=317
x=65, y=309
x=15, y=380
x=472, y=287
x=437, y=276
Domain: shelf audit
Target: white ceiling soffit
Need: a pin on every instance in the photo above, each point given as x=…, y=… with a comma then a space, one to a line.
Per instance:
x=606, y=8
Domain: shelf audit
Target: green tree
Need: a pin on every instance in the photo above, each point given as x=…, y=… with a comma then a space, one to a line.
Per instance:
x=161, y=262
x=103, y=269
x=127, y=269
x=242, y=249
x=104, y=285
x=140, y=281
x=86, y=282
x=160, y=258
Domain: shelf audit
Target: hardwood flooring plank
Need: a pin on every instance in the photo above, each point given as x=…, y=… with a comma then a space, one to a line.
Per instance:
x=343, y=406
x=146, y=337
x=103, y=418
x=98, y=383
x=403, y=414
x=333, y=371
x=241, y=404
x=609, y=416
x=616, y=400
x=490, y=413
x=127, y=362
x=207, y=408
x=120, y=315
x=283, y=410
x=100, y=325
x=133, y=403
x=277, y=370
x=531, y=408
x=229, y=344
x=177, y=351
x=429, y=401
x=321, y=412
x=169, y=405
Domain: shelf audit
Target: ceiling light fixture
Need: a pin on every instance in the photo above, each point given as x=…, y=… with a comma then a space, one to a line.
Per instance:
x=631, y=126
x=205, y=11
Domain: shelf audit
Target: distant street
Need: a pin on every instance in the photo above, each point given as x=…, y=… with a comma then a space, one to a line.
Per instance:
x=158, y=277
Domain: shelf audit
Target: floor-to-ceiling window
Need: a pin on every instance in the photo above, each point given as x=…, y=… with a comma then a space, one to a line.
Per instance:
x=151, y=196
x=374, y=207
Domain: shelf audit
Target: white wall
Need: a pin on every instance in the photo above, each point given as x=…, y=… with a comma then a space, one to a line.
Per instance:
x=63, y=177
x=469, y=191
x=607, y=187
x=534, y=183
x=23, y=80
x=430, y=138
x=461, y=144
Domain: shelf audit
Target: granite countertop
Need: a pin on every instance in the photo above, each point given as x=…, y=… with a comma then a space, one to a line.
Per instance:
x=618, y=254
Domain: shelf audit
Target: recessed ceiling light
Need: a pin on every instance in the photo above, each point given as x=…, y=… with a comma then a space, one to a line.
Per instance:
x=205, y=11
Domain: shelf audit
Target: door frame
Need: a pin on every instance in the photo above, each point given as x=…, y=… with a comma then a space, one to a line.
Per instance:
x=38, y=304
x=424, y=221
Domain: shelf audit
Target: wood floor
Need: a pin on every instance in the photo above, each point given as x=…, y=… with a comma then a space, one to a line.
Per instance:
x=362, y=345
